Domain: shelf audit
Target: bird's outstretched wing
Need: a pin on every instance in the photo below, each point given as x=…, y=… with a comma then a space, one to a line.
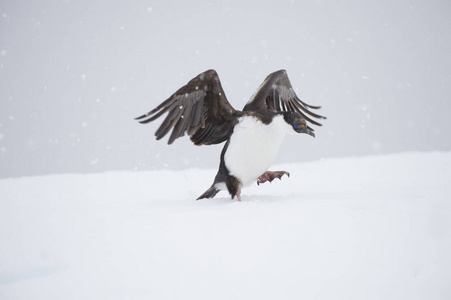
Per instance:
x=200, y=109
x=276, y=93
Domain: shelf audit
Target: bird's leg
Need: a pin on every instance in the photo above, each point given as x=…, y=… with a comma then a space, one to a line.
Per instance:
x=271, y=175
x=238, y=194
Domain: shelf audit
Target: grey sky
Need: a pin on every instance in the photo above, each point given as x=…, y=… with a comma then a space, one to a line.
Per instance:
x=74, y=74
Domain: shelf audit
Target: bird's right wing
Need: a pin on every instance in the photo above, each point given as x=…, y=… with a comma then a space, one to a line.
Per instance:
x=200, y=109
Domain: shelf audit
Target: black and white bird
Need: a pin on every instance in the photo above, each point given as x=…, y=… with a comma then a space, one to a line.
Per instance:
x=252, y=136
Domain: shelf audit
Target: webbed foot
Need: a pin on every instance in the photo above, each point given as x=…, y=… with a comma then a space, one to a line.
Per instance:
x=271, y=175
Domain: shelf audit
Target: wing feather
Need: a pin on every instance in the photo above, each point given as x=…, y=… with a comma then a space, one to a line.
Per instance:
x=276, y=93
x=199, y=109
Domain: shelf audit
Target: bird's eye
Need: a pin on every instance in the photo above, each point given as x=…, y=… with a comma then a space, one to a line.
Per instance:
x=295, y=126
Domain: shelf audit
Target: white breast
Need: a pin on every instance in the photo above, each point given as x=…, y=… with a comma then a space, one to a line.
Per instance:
x=253, y=147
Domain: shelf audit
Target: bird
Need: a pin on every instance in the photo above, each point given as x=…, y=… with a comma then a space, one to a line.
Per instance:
x=252, y=135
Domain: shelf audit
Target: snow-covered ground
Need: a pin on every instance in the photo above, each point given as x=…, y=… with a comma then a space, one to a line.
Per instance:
x=355, y=228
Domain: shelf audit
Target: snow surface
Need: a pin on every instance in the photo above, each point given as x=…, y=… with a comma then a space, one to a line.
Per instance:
x=357, y=228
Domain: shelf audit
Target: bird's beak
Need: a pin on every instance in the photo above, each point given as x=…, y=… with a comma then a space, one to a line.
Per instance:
x=305, y=130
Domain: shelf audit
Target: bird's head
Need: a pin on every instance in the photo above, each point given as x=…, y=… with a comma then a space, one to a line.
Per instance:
x=297, y=123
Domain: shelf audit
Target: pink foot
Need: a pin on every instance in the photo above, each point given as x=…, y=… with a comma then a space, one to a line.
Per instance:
x=271, y=175
x=238, y=194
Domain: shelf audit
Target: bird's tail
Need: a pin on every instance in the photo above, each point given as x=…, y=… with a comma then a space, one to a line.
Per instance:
x=210, y=193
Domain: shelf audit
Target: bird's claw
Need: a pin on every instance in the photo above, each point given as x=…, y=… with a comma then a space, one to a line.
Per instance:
x=271, y=175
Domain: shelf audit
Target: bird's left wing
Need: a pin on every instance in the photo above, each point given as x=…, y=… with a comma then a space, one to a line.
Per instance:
x=276, y=93
x=199, y=108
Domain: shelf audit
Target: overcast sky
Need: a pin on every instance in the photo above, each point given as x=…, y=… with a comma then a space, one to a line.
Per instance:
x=74, y=74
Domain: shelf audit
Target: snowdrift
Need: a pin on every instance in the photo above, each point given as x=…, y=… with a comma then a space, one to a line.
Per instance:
x=353, y=228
